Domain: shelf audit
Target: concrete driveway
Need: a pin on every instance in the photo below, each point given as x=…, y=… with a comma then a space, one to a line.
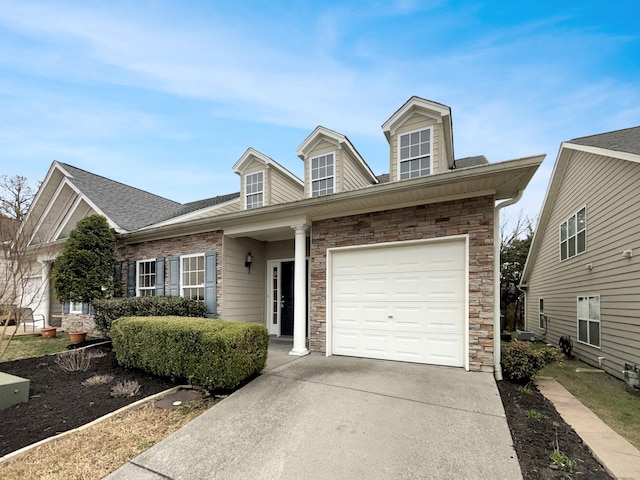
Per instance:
x=320, y=417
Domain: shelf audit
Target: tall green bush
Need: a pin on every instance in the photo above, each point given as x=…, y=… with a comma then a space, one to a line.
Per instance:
x=108, y=310
x=85, y=270
x=214, y=354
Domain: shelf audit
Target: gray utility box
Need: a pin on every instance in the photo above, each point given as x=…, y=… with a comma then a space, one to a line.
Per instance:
x=13, y=390
x=525, y=336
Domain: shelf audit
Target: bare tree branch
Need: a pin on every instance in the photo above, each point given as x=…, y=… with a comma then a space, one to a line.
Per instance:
x=21, y=279
x=16, y=195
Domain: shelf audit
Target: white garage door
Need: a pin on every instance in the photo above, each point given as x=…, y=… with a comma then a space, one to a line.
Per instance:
x=400, y=302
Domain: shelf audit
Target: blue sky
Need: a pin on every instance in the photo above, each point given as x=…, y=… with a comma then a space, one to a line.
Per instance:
x=166, y=96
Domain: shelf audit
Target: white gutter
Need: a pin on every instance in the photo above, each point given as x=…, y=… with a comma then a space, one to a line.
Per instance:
x=497, y=369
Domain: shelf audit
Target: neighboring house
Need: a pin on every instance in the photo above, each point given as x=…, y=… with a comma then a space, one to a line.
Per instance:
x=399, y=266
x=582, y=276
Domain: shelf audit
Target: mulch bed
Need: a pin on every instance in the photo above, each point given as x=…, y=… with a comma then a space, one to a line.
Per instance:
x=58, y=401
x=535, y=439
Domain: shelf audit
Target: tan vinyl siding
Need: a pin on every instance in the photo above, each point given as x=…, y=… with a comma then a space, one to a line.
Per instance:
x=354, y=175
x=609, y=189
x=283, y=189
x=283, y=249
x=418, y=122
x=243, y=297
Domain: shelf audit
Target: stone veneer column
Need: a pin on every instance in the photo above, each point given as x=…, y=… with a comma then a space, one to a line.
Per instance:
x=300, y=295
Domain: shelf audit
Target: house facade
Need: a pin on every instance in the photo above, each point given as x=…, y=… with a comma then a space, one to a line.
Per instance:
x=399, y=266
x=582, y=276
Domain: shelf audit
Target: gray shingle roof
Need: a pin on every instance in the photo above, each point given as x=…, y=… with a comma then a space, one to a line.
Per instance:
x=129, y=207
x=467, y=162
x=626, y=140
x=207, y=202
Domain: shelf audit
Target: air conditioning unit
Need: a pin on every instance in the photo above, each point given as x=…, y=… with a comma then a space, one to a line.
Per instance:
x=526, y=336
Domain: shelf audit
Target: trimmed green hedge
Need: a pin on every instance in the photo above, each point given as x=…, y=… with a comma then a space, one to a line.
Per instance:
x=211, y=353
x=107, y=311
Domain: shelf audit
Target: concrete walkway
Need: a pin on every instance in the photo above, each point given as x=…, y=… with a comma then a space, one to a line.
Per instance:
x=318, y=417
x=620, y=458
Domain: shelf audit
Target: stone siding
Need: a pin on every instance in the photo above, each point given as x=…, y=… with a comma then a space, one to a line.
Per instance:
x=473, y=217
x=174, y=247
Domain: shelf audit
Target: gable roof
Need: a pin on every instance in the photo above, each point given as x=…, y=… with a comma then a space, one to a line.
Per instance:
x=128, y=207
x=438, y=111
x=622, y=144
x=252, y=154
x=321, y=132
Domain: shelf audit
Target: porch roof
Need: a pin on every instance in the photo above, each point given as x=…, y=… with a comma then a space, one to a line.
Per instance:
x=502, y=180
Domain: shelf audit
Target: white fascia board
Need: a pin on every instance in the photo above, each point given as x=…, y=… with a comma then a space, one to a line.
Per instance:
x=65, y=219
x=315, y=136
x=253, y=154
x=54, y=166
x=253, y=227
x=247, y=156
x=425, y=107
x=605, y=152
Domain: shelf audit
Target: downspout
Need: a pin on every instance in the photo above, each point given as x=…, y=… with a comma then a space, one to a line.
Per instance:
x=497, y=369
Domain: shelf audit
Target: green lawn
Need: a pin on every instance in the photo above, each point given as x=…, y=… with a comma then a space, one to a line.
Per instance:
x=26, y=346
x=606, y=396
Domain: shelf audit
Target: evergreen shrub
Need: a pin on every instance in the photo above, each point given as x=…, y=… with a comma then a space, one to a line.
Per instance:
x=106, y=311
x=214, y=354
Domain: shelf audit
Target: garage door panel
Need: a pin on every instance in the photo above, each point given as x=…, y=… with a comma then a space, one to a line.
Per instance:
x=400, y=302
x=439, y=349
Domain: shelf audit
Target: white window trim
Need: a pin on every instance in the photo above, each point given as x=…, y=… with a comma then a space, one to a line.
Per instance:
x=75, y=308
x=589, y=320
x=399, y=161
x=246, y=194
x=566, y=220
x=204, y=266
x=540, y=312
x=138, y=288
x=311, y=179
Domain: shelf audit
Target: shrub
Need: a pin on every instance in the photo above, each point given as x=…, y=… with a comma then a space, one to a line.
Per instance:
x=214, y=354
x=106, y=311
x=521, y=361
x=74, y=361
x=126, y=388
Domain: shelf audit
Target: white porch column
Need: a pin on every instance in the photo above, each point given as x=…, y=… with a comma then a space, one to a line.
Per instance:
x=45, y=285
x=300, y=293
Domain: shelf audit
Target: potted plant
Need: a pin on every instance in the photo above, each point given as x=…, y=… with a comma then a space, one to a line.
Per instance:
x=48, y=332
x=77, y=332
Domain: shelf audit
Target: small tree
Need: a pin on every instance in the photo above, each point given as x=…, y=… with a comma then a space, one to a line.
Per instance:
x=85, y=270
x=515, y=241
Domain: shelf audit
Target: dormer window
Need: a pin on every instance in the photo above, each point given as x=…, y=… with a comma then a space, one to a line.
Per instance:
x=322, y=175
x=415, y=154
x=254, y=188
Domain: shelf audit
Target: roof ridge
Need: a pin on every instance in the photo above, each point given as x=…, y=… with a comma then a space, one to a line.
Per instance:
x=120, y=183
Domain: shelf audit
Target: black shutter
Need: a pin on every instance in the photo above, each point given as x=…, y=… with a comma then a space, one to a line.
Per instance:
x=131, y=279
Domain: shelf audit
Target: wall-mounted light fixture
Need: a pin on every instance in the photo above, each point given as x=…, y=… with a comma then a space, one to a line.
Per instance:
x=248, y=260
x=627, y=253
x=589, y=266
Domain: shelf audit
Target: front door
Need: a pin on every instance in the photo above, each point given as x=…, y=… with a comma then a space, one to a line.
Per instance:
x=281, y=296
x=286, y=298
